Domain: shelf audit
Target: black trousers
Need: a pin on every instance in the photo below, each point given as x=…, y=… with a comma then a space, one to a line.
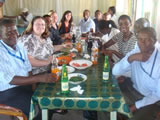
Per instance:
x=18, y=97
x=131, y=95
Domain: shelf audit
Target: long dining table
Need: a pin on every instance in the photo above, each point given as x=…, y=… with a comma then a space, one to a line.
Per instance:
x=98, y=95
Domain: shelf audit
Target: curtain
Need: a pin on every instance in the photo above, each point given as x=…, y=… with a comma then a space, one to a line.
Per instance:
x=41, y=7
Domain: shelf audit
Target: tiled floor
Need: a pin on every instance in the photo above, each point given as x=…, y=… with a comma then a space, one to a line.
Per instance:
x=71, y=115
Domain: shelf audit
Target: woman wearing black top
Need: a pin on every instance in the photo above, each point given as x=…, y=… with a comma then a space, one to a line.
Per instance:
x=66, y=24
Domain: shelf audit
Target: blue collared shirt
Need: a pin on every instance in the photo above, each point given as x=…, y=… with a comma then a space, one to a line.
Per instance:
x=87, y=25
x=11, y=66
x=144, y=75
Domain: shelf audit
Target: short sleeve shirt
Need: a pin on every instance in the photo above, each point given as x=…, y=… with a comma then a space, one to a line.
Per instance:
x=12, y=66
x=38, y=49
x=125, y=46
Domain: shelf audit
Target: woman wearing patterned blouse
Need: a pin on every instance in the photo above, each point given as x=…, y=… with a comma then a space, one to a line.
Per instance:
x=125, y=39
x=39, y=46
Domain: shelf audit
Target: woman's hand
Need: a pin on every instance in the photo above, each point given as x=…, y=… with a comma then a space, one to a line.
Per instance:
x=68, y=36
x=67, y=45
x=50, y=58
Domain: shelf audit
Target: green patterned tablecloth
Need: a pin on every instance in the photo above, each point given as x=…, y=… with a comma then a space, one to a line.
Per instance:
x=98, y=95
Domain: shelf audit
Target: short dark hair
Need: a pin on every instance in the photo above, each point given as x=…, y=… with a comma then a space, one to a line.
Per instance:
x=106, y=24
x=113, y=9
x=150, y=31
x=124, y=17
x=4, y=22
x=97, y=11
x=46, y=15
x=86, y=11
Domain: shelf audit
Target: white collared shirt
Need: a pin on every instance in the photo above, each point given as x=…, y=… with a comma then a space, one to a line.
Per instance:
x=10, y=66
x=87, y=25
x=144, y=81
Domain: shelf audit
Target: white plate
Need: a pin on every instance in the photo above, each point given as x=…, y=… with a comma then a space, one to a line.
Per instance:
x=80, y=62
x=77, y=74
x=69, y=68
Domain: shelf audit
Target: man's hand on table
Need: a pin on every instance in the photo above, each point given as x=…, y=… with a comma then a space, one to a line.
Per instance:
x=133, y=108
x=48, y=78
x=121, y=79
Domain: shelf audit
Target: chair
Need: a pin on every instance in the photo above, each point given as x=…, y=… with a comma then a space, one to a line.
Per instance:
x=7, y=110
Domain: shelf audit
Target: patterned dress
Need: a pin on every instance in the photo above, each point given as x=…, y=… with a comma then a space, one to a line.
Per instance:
x=38, y=49
x=125, y=46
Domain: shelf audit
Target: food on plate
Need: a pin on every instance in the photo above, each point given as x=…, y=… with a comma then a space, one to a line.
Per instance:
x=84, y=65
x=79, y=65
x=64, y=59
x=72, y=54
x=76, y=78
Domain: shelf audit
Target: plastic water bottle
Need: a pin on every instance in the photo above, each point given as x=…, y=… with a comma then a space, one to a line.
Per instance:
x=94, y=53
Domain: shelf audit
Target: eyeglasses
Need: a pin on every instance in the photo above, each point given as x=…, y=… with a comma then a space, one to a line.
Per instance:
x=40, y=25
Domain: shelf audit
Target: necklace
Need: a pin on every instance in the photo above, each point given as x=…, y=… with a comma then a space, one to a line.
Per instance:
x=18, y=57
x=152, y=68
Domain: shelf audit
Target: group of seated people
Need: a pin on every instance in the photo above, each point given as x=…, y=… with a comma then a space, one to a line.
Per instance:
x=26, y=60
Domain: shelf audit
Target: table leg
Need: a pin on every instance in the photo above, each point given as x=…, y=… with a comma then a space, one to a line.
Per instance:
x=44, y=114
x=113, y=115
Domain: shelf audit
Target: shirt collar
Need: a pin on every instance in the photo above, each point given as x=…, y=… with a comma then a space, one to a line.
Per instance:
x=9, y=48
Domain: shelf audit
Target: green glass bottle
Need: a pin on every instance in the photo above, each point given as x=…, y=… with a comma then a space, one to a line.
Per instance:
x=106, y=69
x=64, y=80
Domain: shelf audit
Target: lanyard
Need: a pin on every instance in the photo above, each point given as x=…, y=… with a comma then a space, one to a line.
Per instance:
x=20, y=58
x=154, y=61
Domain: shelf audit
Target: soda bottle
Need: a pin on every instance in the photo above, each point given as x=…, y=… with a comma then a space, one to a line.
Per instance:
x=73, y=38
x=94, y=53
x=64, y=80
x=54, y=67
x=78, y=46
x=106, y=69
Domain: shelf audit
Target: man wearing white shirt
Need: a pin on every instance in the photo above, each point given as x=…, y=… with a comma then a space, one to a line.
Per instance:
x=86, y=23
x=142, y=91
x=26, y=16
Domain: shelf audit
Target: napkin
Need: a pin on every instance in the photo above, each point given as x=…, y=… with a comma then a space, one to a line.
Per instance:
x=78, y=89
x=73, y=50
x=86, y=56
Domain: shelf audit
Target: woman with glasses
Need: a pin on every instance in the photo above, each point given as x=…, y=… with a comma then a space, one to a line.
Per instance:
x=39, y=45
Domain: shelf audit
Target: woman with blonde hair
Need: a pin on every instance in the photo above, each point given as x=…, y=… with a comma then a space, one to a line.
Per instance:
x=54, y=32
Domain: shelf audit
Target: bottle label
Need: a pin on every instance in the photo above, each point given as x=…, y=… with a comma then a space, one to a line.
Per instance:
x=64, y=86
x=105, y=75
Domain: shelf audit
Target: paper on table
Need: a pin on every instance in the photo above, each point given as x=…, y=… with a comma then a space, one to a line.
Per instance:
x=73, y=50
x=78, y=89
x=86, y=56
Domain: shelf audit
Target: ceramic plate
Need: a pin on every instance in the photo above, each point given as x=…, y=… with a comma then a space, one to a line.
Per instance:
x=84, y=77
x=80, y=64
x=69, y=68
